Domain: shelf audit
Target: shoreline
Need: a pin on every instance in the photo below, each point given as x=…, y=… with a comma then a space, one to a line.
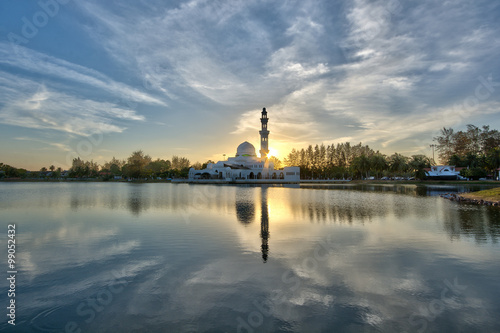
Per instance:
x=490, y=197
x=265, y=181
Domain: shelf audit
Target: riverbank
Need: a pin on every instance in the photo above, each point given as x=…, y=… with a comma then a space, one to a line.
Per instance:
x=316, y=181
x=490, y=197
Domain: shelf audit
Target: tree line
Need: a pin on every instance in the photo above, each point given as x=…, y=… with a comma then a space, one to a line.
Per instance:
x=359, y=161
x=477, y=149
x=137, y=166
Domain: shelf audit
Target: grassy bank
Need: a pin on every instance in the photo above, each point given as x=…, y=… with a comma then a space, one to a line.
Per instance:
x=492, y=195
x=426, y=182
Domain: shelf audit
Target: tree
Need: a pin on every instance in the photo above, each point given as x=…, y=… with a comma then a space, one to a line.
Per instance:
x=490, y=139
x=293, y=158
x=276, y=161
x=52, y=168
x=204, y=165
x=179, y=163
x=398, y=164
x=445, y=144
x=159, y=167
x=136, y=164
x=418, y=164
x=361, y=165
x=473, y=173
x=493, y=160
x=196, y=166
x=378, y=163
x=76, y=167
x=114, y=161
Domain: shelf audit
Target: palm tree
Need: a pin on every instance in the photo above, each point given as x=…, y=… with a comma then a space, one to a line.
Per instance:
x=378, y=163
x=52, y=168
x=398, y=164
x=418, y=165
x=361, y=164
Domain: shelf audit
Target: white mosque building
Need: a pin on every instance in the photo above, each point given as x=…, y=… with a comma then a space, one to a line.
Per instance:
x=246, y=166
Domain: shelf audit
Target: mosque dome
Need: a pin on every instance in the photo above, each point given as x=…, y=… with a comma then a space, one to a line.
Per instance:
x=245, y=149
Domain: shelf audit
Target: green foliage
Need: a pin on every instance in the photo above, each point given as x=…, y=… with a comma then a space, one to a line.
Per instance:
x=473, y=173
x=398, y=164
x=475, y=148
x=472, y=142
x=378, y=163
x=327, y=161
x=7, y=171
x=136, y=165
x=179, y=163
x=83, y=169
x=276, y=161
x=417, y=166
x=204, y=165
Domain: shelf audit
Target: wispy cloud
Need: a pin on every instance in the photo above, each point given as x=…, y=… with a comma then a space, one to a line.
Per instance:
x=49, y=145
x=384, y=73
x=32, y=105
x=36, y=62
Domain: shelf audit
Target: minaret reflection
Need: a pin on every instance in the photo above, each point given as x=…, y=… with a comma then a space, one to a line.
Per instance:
x=245, y=213
x=264, y=224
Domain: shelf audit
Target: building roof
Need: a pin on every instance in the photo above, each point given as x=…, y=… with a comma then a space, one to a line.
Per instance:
x=245, y=149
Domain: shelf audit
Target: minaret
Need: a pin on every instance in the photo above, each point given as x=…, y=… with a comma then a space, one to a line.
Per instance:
x=264, y=135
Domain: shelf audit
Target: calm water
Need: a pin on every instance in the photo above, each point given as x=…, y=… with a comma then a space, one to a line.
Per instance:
x=120, y=257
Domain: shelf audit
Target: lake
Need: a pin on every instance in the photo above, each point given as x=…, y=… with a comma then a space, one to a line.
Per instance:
x=123, y=257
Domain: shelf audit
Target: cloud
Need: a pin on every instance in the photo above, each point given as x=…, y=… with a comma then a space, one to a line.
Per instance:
x=326, y=71
x=32, y=105
x=49, y=66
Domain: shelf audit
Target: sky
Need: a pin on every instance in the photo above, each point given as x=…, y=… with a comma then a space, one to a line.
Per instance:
x=96, y=79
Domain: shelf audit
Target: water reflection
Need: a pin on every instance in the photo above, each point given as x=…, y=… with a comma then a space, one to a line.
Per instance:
x=245, y=214
x=353, y=260
x=136, y=201
x=264, y=224
x=480, y=223
x=245, y=207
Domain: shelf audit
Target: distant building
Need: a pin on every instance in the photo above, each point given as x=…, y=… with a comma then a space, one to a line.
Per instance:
x=246, y=164
x=443, y=172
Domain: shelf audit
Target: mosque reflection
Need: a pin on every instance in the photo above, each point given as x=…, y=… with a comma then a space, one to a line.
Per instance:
x=245, y=213
x=340, y=204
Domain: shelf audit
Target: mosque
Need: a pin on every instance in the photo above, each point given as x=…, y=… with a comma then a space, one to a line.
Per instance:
x=246, y=165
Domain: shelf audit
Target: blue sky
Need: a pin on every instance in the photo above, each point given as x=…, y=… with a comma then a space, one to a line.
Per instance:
x=99, y=79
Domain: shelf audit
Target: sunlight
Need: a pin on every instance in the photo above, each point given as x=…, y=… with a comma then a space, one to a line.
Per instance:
x=273, y=152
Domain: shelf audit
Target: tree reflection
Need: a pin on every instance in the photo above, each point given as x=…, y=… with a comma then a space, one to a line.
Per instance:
x=136, y=202
x=480, y=223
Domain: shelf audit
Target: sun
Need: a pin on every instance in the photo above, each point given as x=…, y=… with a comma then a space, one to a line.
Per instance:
x=273, y=152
